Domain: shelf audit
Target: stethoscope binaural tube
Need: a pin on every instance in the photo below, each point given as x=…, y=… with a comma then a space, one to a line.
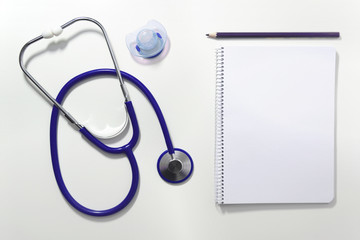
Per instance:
x=56, y=32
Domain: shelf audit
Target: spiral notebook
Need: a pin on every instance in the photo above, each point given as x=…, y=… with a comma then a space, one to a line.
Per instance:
x=275, y=125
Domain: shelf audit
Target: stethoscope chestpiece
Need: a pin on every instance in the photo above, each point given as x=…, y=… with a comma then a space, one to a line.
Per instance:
x=148, y=41
x=175, y=168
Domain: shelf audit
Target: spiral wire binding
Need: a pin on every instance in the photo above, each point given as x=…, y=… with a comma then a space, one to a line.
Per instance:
x=219, y=134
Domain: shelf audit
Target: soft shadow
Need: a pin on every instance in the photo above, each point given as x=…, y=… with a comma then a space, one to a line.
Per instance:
x=112, y=217
x=235, y=208
x=336, y=125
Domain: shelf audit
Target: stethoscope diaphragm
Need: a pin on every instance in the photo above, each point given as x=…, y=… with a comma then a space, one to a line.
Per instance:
x=176, y=167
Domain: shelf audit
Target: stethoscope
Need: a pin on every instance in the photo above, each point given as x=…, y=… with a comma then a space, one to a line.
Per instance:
x=174, y=165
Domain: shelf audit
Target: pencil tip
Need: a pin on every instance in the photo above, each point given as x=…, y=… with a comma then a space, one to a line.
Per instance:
x=207, y=34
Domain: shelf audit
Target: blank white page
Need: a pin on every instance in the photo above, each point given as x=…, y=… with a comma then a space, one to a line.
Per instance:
x=279, y=116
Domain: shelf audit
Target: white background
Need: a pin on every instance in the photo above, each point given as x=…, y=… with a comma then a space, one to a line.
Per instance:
x=31, y=205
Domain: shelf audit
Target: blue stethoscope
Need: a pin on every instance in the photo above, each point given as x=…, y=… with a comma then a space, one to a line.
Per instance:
x=174, y=165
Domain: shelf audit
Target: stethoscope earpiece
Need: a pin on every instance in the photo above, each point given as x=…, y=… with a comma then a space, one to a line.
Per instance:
x=176, y=167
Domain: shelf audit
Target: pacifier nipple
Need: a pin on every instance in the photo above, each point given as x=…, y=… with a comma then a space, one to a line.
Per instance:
x=148, y=41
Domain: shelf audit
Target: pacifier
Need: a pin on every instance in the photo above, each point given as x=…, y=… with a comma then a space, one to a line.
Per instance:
x=148, y=41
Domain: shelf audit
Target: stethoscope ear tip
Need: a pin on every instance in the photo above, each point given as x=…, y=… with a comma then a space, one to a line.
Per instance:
x=175, y=168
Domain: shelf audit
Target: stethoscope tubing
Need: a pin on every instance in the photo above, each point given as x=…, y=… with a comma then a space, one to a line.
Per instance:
x=126, y=149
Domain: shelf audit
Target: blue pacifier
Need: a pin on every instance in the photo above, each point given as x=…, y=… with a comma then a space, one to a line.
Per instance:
x=148, y=41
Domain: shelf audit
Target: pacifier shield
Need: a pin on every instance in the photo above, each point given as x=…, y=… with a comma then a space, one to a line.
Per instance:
x=148, y=41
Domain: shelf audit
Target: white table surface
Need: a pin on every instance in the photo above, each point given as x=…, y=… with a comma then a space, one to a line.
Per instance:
x=183, y=82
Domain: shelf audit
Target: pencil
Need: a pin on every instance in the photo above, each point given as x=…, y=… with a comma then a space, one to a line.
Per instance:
x=274, y=35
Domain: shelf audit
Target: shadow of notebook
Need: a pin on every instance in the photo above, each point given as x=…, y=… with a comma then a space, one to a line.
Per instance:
x=275, y=125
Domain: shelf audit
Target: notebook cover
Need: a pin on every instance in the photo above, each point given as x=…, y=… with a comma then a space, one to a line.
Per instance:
x=278, y=125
